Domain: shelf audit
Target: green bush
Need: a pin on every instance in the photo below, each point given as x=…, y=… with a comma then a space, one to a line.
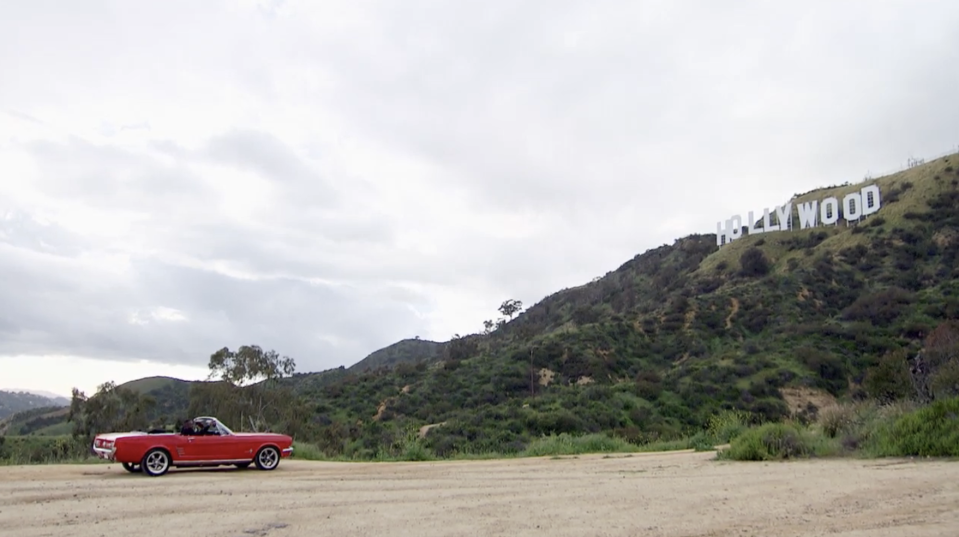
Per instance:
x=44, y=450
x=724, y=427
x=931, y=431
x=566, y=444
x=777, y=441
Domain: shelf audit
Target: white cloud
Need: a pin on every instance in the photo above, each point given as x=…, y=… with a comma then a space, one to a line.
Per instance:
x=60, y=374
x=158, y=314
x=327, y=178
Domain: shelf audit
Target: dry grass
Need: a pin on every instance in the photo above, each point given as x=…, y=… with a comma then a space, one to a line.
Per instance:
x=924, y=186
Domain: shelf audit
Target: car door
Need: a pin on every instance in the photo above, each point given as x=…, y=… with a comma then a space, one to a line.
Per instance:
x=212, y=447
x=186, y=448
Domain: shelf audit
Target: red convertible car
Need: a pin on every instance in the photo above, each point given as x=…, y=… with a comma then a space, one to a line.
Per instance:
x=210, y=443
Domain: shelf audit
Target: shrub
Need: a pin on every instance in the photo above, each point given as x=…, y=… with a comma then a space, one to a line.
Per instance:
x=566, y=444
x=889, y=379
x=754, y=263
x=880, y=308
x=836, y=419
x=931, y=431
x=777, y=441
x=728, y=424
x=43, y=450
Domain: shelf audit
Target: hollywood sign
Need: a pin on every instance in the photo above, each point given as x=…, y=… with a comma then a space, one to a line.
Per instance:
x=854, y=206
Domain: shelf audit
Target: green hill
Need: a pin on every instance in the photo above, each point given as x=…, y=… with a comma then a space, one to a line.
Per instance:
x=153, y=384
x=172, y=397
x=42, y=421
x=773, y=324
x=405, y=351
x=767, y=324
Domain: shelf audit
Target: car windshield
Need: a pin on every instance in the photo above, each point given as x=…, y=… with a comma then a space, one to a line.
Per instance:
x=212, y=426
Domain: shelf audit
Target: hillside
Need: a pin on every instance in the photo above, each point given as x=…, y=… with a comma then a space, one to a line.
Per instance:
x=772, y=324
x=766, y=324
x=42, y=421
x=404, y=351
x=172, y=397
x=12, y=402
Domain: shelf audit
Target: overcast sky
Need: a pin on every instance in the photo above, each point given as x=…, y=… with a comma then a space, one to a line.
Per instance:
x=326, y=178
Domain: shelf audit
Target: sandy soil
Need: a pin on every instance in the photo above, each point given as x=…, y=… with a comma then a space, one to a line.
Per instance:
x=678, y=494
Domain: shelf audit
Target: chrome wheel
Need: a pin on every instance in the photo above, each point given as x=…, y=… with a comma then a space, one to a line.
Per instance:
x=155, y=463
x=267, y=458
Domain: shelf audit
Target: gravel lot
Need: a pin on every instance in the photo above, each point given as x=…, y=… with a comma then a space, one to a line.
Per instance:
x=675, y=494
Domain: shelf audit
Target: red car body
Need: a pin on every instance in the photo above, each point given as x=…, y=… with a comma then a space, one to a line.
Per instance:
x=155, y=453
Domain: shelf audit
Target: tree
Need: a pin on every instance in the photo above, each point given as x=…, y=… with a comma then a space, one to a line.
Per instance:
x=248, y=391
x=936, y=369
x=488, y=327
x=111, y=408
x=510, y=307
x=249, y=364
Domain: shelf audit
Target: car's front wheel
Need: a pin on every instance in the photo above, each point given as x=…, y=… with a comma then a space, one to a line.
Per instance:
x=132, y=468
x=156, y=462
x=267, y=458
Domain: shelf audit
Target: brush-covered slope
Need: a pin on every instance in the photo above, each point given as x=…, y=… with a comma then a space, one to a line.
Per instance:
x=654, y=347
x=12, y=402
x=41, y=421
x=409, y=351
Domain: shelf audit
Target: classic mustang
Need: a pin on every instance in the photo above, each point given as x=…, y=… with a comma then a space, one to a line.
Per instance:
x=209, y=443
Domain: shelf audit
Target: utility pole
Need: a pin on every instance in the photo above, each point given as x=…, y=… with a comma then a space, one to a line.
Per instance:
x=531, y=383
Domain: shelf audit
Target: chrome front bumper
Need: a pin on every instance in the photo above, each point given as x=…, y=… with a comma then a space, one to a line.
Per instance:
x=287, y=452
x=105, y=453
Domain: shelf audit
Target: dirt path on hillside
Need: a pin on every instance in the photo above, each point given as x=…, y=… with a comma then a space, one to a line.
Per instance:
x=734, y=309
x=676, y=495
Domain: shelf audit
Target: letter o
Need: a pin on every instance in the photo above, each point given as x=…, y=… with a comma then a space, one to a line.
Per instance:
x=852, y=211
x=734, y=227
x=829, y=211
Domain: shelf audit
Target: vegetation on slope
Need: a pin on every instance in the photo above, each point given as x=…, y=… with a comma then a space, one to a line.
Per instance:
x=13, y=402
x=656, y=349
x=405, y=351
x=42, y=421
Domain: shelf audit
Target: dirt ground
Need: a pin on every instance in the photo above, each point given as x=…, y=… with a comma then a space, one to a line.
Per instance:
x=676, y=494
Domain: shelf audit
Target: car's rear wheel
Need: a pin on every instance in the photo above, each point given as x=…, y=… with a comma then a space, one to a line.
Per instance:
x=267, y=458
x=156, y=462
x=132, y=468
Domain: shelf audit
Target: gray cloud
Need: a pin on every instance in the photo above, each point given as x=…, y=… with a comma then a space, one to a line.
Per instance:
x=273, y=160
x=327, y=178
x=111, y=177
x=66, y=308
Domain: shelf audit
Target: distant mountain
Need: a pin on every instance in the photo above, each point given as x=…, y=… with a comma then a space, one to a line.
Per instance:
x=58, y=398
x=12, y=402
